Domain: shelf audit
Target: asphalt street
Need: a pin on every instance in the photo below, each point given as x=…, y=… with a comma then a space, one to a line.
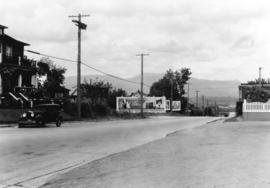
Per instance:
x=31, y=156
x=217, y=155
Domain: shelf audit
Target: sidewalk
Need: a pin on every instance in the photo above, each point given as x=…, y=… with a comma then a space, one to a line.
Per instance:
x=233, y=154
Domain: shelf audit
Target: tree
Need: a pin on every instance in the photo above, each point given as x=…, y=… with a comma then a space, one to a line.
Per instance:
x=112, y=97
x=54, y=77
x=172, y=83
x=176, y=79
x=257, y=81
x=101, y=92
x=99, y=98
x=257, y=94
x=96, y=90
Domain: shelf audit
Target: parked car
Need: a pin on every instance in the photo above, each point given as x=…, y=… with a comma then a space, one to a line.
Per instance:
x=41, y=114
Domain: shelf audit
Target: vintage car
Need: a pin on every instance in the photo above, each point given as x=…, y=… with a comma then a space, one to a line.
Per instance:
x=40, y=115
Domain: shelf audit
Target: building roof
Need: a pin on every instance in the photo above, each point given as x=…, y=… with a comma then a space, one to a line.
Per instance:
x=137, y=94
x=3, y=27
x=8, y=39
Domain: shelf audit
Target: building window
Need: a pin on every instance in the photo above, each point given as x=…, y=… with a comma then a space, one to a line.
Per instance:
x=8, y=51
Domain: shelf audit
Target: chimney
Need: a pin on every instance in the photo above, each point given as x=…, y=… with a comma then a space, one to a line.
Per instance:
x=2, y=29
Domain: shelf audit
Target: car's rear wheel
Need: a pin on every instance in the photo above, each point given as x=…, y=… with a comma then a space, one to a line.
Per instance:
x=58, y=122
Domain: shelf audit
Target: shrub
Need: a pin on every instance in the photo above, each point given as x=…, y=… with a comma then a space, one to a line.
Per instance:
x=101, y=109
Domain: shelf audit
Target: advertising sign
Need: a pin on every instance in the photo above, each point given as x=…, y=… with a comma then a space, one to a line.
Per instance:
x=176, y=106
x=168, y=105
x=133, y=104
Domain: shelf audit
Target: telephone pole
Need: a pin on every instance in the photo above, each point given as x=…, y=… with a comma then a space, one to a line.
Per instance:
x=203, y=101
x=197, y=92
x=188, y=97
x=260, y=76
x=142, y=55
x=80, y=26
x=171, y=93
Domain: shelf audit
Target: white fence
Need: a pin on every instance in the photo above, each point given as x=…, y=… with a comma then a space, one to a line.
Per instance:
x=256, y=106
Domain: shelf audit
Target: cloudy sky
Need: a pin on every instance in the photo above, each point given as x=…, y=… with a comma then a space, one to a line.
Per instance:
x=217, y=39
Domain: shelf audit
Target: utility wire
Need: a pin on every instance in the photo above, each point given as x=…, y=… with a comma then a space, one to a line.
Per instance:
x=100, y=71
x=54, y=57
x=110, y=75
x=119, y=78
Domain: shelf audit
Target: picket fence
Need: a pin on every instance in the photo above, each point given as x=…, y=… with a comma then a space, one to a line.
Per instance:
x=256, y=106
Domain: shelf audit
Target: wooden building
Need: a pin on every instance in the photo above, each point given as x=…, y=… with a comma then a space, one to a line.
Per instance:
x=18, y=75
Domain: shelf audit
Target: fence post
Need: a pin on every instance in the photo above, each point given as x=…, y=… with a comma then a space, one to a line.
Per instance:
x=244, y=105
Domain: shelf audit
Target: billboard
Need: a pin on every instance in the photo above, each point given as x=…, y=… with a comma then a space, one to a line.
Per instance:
x=176, y=106
x=133, y=104
x=168, y=105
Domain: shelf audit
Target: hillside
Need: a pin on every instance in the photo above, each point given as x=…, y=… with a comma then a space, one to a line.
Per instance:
x=71, y=81
x=224, y=92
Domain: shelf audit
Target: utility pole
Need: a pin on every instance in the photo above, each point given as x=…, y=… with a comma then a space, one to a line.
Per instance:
x=188, y=97
x=80, y=26
x=142, y=55
x=260, y=76
x=171, y=93
x=197, y=92
x=216, y=110
x=203, y=101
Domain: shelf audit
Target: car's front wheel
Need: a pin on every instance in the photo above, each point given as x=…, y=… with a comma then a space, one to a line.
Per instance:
x=58, y=122
x=20, y=125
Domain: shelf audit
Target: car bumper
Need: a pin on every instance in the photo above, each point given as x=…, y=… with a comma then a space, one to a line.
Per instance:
x=27, y=122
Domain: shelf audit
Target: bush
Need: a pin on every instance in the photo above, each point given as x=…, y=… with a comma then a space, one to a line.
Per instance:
x=196, y=112
x=70, y=108
x=86, y=110
x=101, y=109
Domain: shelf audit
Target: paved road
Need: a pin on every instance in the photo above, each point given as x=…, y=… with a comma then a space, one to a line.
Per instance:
x=217, y=155
x=29, y=156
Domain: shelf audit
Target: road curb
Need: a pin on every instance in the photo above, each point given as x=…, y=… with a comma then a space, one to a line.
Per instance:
x=213, y=121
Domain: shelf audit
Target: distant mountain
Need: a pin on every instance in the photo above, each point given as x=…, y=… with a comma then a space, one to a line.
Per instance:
x=224, y=92
x=71, y=81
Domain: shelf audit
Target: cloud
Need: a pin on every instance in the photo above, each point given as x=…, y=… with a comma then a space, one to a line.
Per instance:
x=204, y=35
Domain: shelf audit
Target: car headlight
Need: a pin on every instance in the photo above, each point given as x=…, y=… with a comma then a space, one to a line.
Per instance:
x=23, y=115
x=32, y=114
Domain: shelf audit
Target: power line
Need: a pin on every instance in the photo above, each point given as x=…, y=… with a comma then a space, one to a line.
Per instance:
x=119, y=78
x=54, y=57
x=100, y=71
x=111, y=75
